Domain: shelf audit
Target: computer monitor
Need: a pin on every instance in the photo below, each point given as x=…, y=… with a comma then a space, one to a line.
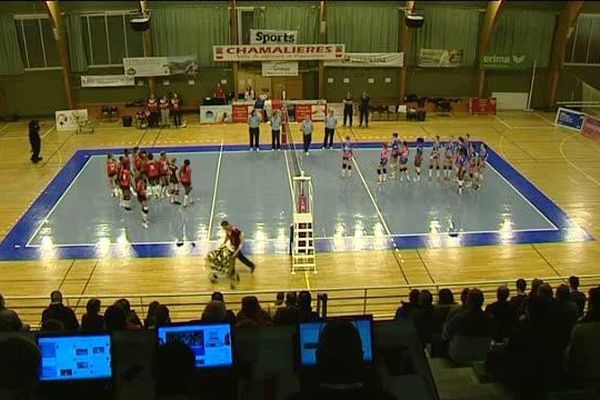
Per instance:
x=309, y=333
x=210, y=342
x=67, y=357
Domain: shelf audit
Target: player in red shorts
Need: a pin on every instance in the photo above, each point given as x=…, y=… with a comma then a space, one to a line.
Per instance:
x=112, y=170
x=142, y=197
x=163, y=171
x=125, y=161
x=174, y=181
x=125, y=183
x=153, y=174
x=185, y=177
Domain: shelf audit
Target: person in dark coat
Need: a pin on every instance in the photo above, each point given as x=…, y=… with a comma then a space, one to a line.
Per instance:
x=35, y=141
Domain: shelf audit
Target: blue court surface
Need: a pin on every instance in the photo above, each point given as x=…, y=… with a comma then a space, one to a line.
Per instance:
x=76, y=218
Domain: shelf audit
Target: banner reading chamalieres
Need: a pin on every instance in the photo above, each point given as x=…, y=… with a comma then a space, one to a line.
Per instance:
x=366, y=60
x=440, y=58
x=276, y=52
x=513, y=61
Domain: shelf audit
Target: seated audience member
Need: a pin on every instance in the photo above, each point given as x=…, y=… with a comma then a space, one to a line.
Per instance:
x=161, y=316
x=230, y=316
x=150, y=319
x=566, y=312
x=544, y=292
x=582, y=360
x=403, y=312
x=469, y=332
x=19, y=365
x=9, y=320
x=133, y=321
x=577, y=296
x=305, y=307
x=214, y=311
x=340, y=367
x=288, y=315
x=173, y=369
x=279, y=302
x=252, y=314
x=535, y=284
x=115, y=319
x=52, y=325
x=92, y=320
x=519, y=301
x=503, y=313
x=463, y=305
x=443, y=306
x=57, y=310
x=424, y=317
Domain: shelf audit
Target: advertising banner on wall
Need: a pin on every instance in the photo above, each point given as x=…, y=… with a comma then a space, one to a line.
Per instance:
x=106, y=80
x=505, y=62
x=440, y=58
x=255, y=52
x=272, y=36
x=240, y=112
x=479, y=106
x=160, y=66
x=367, y=60
x=569, y=119
x=591, y=126
x=66, y=120
x=215, y=114
x=280, y=68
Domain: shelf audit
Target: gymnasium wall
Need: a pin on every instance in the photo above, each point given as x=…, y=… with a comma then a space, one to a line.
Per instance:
x=363, y=27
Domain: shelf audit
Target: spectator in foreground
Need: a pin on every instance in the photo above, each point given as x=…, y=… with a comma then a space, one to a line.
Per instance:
x=535, y=284
x=473, y=322
x=58, y=311
x=288, y=315
x=9, y=320
x=305, y=307
x=214, y=311
x=173, y=369
x=133, y=321
x=252, y=314
x=566, y=313
x=444, y=304
x=577, y=296
x=115, y=319
x=403, y=312
x=424, y=317
x=52, y=325
x=92, y=320
x=229, y=315
x=340, y=366
x=503, y=313
x=463, y=305
x=19, y=364
x=150, y=319
x=583, y=352
x=519, y=301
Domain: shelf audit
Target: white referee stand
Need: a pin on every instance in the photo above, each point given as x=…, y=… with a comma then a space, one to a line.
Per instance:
x=303, y=252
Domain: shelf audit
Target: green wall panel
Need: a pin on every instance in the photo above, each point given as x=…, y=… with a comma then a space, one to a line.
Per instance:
x=433, y=82
x=359, y=81
x=37, y=93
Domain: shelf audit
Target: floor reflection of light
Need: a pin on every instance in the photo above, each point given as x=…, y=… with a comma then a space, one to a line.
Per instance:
x=103, y=247
x=506, y=230
x=380, y=239
x=281, y=241
x=358, y=240
x=339, y=241
x=202, y=232
x=260, y=240
x=574, y=233
x=122, y=247
x=47, y=249
x=434, y=238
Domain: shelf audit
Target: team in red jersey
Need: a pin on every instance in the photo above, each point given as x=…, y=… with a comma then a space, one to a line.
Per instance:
x=146, y=178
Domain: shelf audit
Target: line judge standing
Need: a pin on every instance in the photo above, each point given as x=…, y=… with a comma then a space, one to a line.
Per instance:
x=364, y=109
x=275, y=130
x=254, y=129
x=307, y=130
x=330, y=124
x=35, y=141
x=348, y=104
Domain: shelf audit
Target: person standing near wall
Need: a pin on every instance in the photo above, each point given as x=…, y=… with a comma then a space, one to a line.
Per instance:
x=254, y=130
x=219, y=93
x=165, y=114
x=153, y=109
x=176, y=110
x=348, y=108
x=307, y=130
x=330, y=124
x=275, y=130
x=35, y=141
x=363, y=108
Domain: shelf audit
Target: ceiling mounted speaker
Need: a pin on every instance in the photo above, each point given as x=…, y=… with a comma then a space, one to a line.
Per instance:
x=414, y=19
x=140, y=23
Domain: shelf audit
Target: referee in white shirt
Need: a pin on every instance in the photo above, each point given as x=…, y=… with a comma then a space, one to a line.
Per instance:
x=330, y=124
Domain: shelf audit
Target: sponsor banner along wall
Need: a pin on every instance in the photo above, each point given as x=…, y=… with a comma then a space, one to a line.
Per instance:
x=279, y=52
x=368, y=60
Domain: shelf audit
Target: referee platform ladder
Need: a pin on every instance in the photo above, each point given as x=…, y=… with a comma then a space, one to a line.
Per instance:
x=303, y=252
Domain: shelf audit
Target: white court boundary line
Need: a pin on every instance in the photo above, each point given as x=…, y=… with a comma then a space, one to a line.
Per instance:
x=503, y=122
x=48, y=131
x=5, y=126
x=214, y=196
x=58, y=201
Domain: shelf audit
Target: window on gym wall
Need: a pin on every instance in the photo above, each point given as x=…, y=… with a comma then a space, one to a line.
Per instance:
x=583, y=47
x=36, y=41
x=108, y=38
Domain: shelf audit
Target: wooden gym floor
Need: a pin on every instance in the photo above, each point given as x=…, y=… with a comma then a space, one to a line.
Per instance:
x=563, y=164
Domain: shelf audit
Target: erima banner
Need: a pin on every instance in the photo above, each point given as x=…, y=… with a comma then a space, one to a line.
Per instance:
x=255, y=52
x=505, y=62
x=160, y=66
x=569, y=119
x=440, y=58
x=106, y=80
x=280, y=68
x=366, y=60
x=272, y=36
